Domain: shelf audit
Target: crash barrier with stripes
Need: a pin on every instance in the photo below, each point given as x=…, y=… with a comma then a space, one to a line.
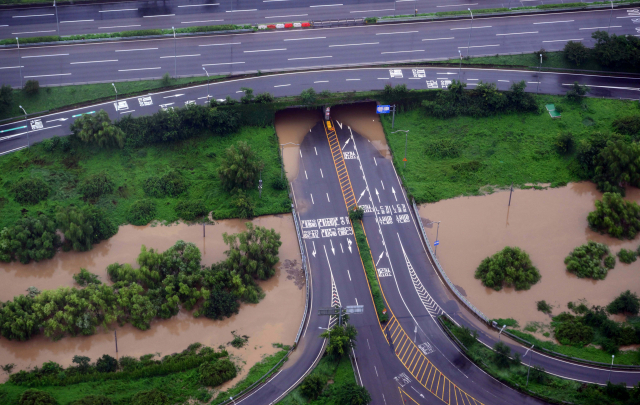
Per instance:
x=423, y=371
x=306, y=273
x=341, y=167
x=480, y=315
x=280, y=26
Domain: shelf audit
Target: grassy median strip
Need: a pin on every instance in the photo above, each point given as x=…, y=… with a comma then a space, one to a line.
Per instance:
x=367, y=261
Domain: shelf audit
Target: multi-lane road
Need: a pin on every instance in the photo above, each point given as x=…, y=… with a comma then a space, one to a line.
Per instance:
x=42, y=20
x=305, y=49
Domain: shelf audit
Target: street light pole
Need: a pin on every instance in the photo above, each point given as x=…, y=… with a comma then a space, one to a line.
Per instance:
x=437, y=233
x=470, y=29
x=19, y=61
x=205, y=70
x=499, y=333
x=539, y=68
x=260, y=185
x=175, y=55
x=406, y=135
x=116, y=90
x=26, y=124
x=57, y=22
x=460, y=69
x=612, y=356
x=529, y=369
x=610, y=13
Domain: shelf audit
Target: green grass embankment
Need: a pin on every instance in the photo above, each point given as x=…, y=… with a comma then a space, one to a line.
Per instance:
x=367, y=260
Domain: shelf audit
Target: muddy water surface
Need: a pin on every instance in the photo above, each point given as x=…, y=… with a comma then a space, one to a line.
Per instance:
x=547, y=224
x=291, y=126
x=362, y=118
x=274, y=320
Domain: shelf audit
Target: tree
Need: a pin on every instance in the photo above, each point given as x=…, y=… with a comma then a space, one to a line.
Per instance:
x=509, y=267
x=30, y=190
x=153, y=397
x=84, y=226
x=35, y=397
x=215, y=373
x=467, y=336
x=353, y=394
x=85, y=278
x=93, y=400
x=248, y=95
x=6, y=96
x=29, y=239
x=220, y=304
x=308, y=96
x=106, y=364
x=501, y=353
x=586, y=261
x=629, y=125
x=576, y=52
x=627, y=302
x=356, y=213
x=577, y=92
x=83, y=363
x=564, y=143
x=616, y=50
x=571, y=331
x=313, y=385
x=98, y=129
x=618, y=166
x=264, y=98
x=18, y=320
x=239, y=167
x=615, y=216
x=341, y=340
x=32, y=87
x=627, y=256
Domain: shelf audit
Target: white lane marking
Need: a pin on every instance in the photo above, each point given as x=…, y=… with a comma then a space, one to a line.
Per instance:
x=349, y=274
x=364, y=43
x=565, y=40
x=163, y=15
x=300, y=153
x=135, y=50
x=282, y=85
x=437, y=39
x=503, y=80
x=517, y=33
x=383, y=78
x=266, y=50
x=174, y=95
x=372, y=11
x=314, y=148
x=58, y=74
x=113, y=11
x=458, y=5
x=311, y=198
x=45, y=56
x=271, y=1
x=606, y=87
x=119, y=26
x=63, y=22
x=13, y=150
x=552, y=22
x=93, y=61
x=351, y=80
x=326, y=5
x=223, y=63
x=321, y=174
x=23, y=133
x=417, y=50
x=467, y=28
x=473, y=79
x=381, y=180
x=33, y=15
x=600, y=28
x=367, y=340
x=287, y=16
x=322, y=81
x=131, y=70
x=357, y=301
x=179, y=56
x=304, y=39
x=31, y=32
x=311, y=57
x=374, y=367
x=201, y=5
x=374, y=161
x=240, y=11
x=328, y=197
x=477, y=46
x=228, y=43
x=127, y=112
x=192, y=22
x=11, y=67
x=305, y=175
x=393, y=33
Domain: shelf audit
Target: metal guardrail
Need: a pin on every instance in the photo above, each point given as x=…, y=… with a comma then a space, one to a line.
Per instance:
x=453, y=288
x=336, y=23
x=306, y=272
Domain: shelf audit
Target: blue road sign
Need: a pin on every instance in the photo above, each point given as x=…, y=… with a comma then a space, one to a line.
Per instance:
x=436, y=243
x=383, y=109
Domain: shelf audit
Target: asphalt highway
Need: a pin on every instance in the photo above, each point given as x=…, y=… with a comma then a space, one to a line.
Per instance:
x=305, y=49
x=18, y=20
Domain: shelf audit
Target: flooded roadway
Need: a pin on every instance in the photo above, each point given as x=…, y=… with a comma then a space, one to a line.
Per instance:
x=274, y=320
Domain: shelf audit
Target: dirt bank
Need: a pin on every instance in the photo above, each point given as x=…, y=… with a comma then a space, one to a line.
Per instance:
x=274, y=320
x=547, y=224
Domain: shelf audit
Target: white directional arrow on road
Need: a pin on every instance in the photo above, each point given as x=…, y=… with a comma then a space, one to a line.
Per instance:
x=332, y=249
x=345, y=144
x=418, y=392
x=338, y=122
x=378, y=195
x=381, y=254
x=349, y=240
x=58, y=119
x=314, y=249
x=341, y=247
x=394, y=194
x=363, y=191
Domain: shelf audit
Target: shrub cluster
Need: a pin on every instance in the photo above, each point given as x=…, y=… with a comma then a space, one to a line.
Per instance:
x=190, y=210
x=30, y=190
x=85, y=278
x=141, y=212
x=96, y=185
x=627, y=302
x=617, y=165
x=98, y=129
x=239, y=168
x=485, y=100
x=616, y=51
x=587, y=261
x=443, y=148
x=84, y=226
x=29, y=239
x=170, y=184
x=215, y=373
x=627, y=256
x=510, y=267
x=615, y=216
x=628, y=125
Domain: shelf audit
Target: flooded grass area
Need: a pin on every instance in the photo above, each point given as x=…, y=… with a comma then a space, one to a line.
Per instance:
x=548, y=225
x=274, y=320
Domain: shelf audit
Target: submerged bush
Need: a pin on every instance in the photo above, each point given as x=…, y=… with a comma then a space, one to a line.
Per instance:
x=586, y=261
x=571, y=331
x=29, y=239
x=627, y=256
x=141, y=212
x=543, y=306
x=30, y=191
x=627, y=302
x=510, y=267
x=84, y=226
x=215, y=373
x=615, y=216
x=84, y=278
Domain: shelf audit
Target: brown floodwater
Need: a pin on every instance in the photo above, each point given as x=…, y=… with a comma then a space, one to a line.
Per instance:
x=291, y=126
x=274, y=320
x=547, y=224
x=362, y=118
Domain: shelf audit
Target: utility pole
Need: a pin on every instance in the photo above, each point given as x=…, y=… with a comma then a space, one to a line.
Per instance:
x=115, y=333
x=175, y=55
x=510, y=192
x=26, y=124
x=393, y=116
x=610, y=13
x=529, y=369
x=205, y=70
x=260, y=185
x=460, y=69
x=116, y=90
x=57, y=22
x=612, y=356
x=539, y=68
x=470, y=29
x=19, y=61
x=437, y=233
